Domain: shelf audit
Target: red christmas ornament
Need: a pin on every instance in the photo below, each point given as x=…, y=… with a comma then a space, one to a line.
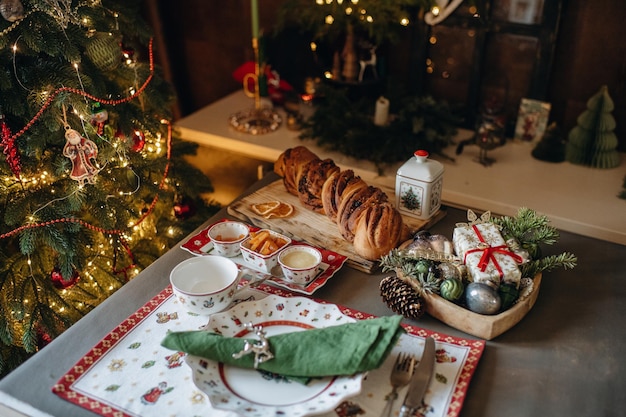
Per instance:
x=185, y=208
x=9, y=148
x=128, y=54
x=43, y=338
x=119, y=134
x=139, y=141
x=59, y=282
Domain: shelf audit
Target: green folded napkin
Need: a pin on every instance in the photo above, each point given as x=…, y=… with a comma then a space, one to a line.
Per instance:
x=344, y=349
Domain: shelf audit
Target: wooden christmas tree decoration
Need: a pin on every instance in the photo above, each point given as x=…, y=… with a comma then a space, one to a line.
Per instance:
x=592, y=141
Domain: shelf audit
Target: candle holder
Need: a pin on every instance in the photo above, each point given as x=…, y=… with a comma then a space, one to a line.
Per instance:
x=258, y=120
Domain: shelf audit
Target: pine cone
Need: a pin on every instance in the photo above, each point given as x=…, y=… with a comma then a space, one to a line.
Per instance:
x=401, y=298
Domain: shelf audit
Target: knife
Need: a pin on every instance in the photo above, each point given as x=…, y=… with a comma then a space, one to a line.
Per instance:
x=420, y=380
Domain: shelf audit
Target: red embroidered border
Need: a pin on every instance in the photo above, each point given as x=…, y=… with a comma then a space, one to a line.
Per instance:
x=63, y=388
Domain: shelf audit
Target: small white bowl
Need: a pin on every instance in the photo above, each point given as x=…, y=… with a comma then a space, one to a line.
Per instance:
x=205, y=284
x=299, y=263
x=227, y=237
x=263, y=262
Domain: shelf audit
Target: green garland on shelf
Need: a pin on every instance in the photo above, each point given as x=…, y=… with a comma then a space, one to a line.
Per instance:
x=345, y=125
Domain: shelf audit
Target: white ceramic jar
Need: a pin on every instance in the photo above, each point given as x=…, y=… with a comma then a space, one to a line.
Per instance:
x=419, y=183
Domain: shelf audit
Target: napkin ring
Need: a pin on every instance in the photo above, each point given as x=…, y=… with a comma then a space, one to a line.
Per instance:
x=261, y=348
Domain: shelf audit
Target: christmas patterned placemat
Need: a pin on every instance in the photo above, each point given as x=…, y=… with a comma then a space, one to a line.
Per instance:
x=128, y=373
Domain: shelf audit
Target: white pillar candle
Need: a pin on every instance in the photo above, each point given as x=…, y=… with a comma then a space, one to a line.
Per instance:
x=382, y=111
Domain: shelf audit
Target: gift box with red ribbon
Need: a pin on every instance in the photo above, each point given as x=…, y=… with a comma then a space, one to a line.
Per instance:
x=485, y=254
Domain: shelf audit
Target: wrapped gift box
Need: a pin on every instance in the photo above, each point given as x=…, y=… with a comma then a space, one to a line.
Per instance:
x=487, y=257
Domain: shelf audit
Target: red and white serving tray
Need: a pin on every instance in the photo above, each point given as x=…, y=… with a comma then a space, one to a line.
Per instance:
x=200, y=244
x=129, y=374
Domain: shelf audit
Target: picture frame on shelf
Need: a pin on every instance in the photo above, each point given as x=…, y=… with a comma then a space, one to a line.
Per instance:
x=532, y=120
x=525, y=11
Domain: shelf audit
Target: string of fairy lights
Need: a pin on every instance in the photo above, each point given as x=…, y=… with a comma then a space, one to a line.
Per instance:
x=155, y=145
x=356, y=9
x=352, y=7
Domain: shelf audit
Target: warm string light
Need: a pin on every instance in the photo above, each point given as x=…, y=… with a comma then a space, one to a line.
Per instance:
x=36, y=8
x=121, y=235
x=14, y=49
x=76, y=91
x=49, y=98
x=362, y=12
x=43, y=179
x=32, y=216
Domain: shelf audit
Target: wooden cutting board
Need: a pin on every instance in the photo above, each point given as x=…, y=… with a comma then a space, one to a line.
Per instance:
x=311, y=227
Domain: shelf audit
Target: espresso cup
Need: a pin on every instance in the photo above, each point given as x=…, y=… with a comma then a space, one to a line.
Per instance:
x=299, y=263
x=227, y=236
x=205, y=284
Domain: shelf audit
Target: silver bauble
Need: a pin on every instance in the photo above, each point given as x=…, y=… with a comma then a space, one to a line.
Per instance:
x=482, y=298
x=449, y=271
x=440, y=243
x=11, y=10
x=419, y=245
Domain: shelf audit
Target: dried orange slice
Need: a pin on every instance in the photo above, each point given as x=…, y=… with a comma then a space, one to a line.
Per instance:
x=263, y=209
x=283, y=210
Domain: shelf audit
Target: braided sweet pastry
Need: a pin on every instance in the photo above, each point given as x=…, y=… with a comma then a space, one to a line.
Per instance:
x=363, y=213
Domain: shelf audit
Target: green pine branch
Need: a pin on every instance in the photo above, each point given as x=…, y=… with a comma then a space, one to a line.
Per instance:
x=346, y=126
x=564, y=260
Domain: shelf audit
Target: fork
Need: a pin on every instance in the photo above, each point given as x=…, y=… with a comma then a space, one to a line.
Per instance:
x=400, y=376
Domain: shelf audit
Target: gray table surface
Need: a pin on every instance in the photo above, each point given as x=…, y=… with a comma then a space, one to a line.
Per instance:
x=565, y=358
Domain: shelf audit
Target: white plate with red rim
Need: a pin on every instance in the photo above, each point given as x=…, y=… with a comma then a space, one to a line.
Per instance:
x=255, y=393
x=200, y=244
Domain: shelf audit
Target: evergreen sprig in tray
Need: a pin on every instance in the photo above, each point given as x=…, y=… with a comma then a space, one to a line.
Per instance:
x=474, y=294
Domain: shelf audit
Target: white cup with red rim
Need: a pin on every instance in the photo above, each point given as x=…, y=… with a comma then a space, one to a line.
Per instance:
x=300, y=263
x=227, y=237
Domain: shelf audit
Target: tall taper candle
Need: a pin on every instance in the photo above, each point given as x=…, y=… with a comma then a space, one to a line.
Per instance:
x=255, y=18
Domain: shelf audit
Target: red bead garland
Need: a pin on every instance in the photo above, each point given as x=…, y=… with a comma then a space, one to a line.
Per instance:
x=9, y=148
x=117, y=232
x=59, y=90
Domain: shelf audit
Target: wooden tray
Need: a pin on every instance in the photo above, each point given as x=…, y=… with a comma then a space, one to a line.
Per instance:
x=484, y=326
x=309, y=226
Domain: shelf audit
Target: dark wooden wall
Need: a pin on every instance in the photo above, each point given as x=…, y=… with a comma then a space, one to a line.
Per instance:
x=591, y=52
x=204, y=41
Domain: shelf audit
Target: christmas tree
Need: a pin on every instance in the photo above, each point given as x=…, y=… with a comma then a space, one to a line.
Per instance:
x=93, y=185
x=592, y=141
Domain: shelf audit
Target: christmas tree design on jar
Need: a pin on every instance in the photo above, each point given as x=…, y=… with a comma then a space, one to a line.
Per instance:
x=419, y=183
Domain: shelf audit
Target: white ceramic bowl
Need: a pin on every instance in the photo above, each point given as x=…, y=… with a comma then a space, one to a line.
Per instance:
x=205, y=284
x=227, y=237
x=299, y=263
x=259, y=261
